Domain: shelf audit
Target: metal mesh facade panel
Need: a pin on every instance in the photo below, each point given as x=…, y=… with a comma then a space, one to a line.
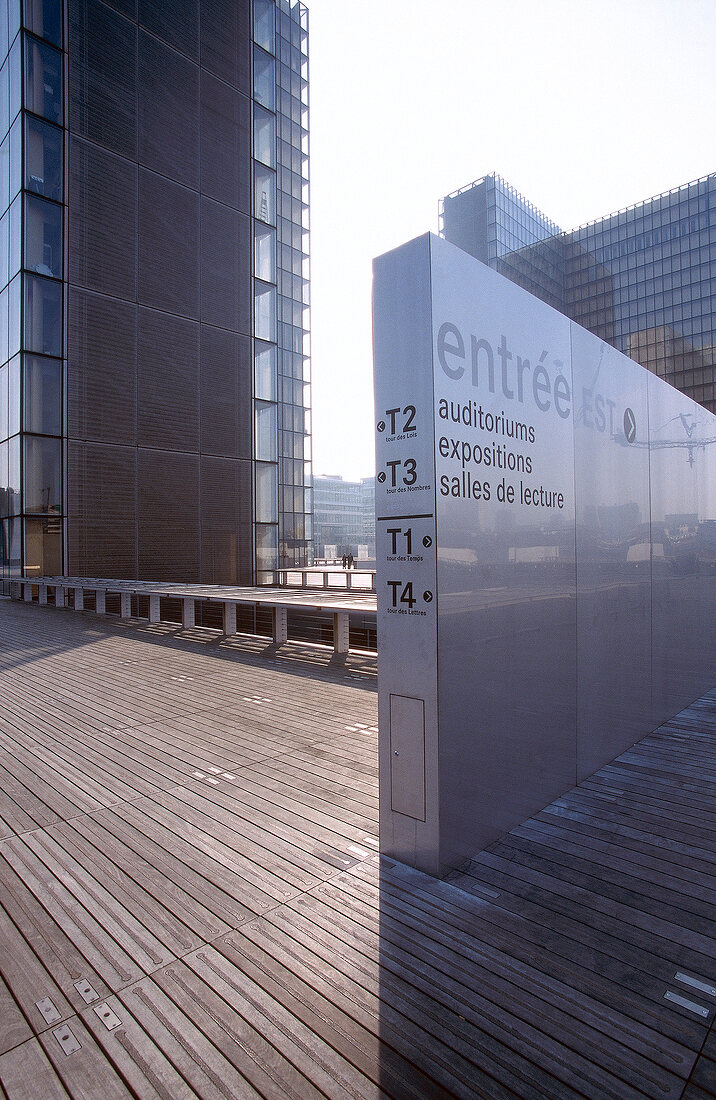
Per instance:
x=102, y=76
x=101, y=369
x=125, y=7
x=225, y=400
x=103, y=220
x=102, y=510
x=168, y=245
x=226, y=245
x=225, y=157
x=168, y=111
x=225, y=521
x=181, y=31
x=168, y=516
x=225, y=41
x=167, y=381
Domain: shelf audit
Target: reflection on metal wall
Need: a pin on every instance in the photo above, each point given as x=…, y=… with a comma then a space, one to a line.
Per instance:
x=546, y=552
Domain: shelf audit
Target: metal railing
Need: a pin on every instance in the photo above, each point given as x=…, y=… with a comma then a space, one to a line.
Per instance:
x=333, y=580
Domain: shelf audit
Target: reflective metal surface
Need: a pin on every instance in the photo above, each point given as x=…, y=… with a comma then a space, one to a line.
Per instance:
x=506, y=574
x=683, y=531
x=530, y=481
x=611, y=466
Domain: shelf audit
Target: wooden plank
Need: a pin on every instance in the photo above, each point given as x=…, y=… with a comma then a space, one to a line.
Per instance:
x=207, y=1040
x=455, y=918
x=86, y=1073
x=149, y=1073
x=38, y=959
x=110, y=953
x=26, y=1073
x=14, y=1028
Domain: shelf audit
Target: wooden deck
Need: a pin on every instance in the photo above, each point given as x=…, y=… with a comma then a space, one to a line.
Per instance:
x=191, y=903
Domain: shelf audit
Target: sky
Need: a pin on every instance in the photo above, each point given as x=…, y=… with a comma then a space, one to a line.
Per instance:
x=584, y=106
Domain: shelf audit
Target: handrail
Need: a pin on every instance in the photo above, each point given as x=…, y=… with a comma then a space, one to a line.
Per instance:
x=333, y=580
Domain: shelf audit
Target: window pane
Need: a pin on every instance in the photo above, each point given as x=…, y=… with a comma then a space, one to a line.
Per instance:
x=266, y=492
x=15, y=177
x=43, y=316
x=265, y=253
x=4, y=251
x=43, y=237
x=4, y=371
x=43, y=474
x=44, y=17
x=264, y=23
x=10, y=547
x=4, y=96
x=264, y=311
x=265, y=371
x=14, y=79
x=43, y=547
x=43, y=79
x=13, y=8
x=13, y=316
x=15, y=233
x=42, y=396
x=265, y=194
x=5, y=174
x=265, y=431
x=14, y=396
x=264, y=136
x=3, y=478
x=264, y=79
x=266, y=547
x=13, y=476
x=43, y=159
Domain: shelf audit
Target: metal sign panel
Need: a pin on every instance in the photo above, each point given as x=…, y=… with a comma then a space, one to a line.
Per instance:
x=514, y=551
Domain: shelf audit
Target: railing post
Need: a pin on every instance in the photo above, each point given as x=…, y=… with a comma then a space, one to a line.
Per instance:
x=154, y=607
x=341, y=623
x=125, y=605
x=27, y=592
x=349, y=579
x=42, y=594
x=79, y=598
x=188, y=616
x=100, y=601
x=229, y=617
x=279, y=619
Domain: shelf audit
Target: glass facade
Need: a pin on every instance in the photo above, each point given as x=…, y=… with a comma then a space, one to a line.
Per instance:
x=32, y=496
x=281, y=287
x=154, y=302
x=641, y=279
x=343, y=517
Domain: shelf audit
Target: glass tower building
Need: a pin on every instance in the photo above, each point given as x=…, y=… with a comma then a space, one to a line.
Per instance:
x=642, y=279
x=154, y=386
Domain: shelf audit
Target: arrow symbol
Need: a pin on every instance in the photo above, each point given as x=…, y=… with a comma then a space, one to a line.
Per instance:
x=381, y=476
x=427, y=595
x=629, y=425
x=427, y=541
x=381, y=425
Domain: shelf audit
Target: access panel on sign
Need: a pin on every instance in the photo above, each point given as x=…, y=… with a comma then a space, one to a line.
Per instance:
x=407, y=756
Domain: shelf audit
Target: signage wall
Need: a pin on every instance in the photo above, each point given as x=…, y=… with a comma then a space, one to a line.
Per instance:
x=546, y=567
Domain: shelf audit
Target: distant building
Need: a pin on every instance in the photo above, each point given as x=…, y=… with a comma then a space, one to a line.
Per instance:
x=642, y=279
x=154, y=289
x=343, y=517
